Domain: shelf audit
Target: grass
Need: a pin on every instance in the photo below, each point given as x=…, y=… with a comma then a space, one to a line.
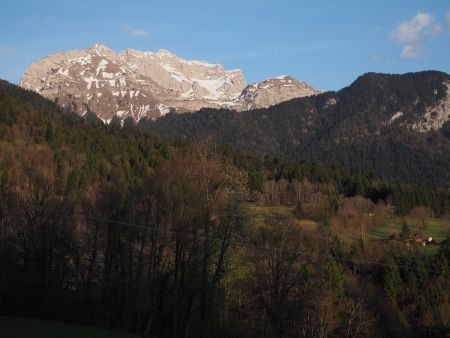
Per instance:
x=11, y=327
x=261, y=214
x=436, y=228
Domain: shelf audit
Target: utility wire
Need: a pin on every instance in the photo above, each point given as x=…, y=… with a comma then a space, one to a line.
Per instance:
x=241, y=243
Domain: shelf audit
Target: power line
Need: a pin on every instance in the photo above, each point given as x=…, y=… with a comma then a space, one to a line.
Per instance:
x=241, y=243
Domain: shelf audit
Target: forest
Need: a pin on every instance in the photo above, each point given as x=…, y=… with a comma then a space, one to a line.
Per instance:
x=351, y=128
x=120, y=228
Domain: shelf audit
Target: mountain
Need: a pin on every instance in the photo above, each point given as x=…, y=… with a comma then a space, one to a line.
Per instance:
x=102, y=224
x=135, y=84
x=268, y=92
x=396, y=126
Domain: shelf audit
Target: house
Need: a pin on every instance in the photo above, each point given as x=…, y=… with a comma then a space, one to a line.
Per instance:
x=419, y=240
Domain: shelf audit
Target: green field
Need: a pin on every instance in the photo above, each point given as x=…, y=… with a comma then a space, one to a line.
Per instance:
x=260, y=215
x=32, y=328
x=436, y=228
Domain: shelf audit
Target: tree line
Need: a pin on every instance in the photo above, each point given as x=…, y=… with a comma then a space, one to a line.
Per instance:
x=120, y=228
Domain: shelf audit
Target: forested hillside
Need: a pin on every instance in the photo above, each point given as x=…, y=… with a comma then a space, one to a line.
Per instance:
x=372, y=126
x=120, y=228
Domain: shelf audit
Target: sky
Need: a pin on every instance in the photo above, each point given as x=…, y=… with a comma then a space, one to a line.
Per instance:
x=327, y=44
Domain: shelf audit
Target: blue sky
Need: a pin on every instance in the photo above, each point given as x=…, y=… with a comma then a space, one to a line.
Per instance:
x=325, y=43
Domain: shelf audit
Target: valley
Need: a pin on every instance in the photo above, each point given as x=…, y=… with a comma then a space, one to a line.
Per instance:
x=126, y=228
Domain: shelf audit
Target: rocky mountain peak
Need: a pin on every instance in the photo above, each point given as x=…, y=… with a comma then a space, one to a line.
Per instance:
x=102, y=48
x=137, y=84
x=274, y=90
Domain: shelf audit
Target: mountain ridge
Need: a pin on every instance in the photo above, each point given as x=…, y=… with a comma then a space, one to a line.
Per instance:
x=359, y=127
x=132, y=83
